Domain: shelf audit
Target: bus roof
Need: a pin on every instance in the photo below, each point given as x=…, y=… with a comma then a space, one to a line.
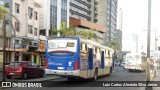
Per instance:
x=87, y=41
x=63, y=38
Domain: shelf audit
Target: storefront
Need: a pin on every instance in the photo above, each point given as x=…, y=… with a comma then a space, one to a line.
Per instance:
x=42, y=49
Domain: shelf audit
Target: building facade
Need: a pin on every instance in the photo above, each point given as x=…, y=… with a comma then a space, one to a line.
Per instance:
x=87, y=11
x=107, y=16
x=59, y=12
x=103, y=12
x=82, y=25
x=27, y=40
x=80, y=9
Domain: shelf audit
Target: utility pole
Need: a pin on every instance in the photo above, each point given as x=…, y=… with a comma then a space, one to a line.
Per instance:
x=148, y=68
x=155, y=40
x=4, y=48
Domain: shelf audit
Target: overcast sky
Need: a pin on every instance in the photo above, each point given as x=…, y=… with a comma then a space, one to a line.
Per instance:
x=135, y=16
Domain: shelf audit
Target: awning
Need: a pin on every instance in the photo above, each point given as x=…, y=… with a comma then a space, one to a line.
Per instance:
x=12, y=49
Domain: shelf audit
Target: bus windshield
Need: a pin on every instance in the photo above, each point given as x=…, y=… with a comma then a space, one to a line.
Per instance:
x=62, y=47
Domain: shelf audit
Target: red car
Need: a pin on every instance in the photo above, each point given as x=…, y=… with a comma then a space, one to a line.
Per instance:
x=23, y=69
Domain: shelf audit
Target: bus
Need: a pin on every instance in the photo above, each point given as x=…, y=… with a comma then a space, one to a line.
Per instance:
x=74, y=58
x=135, y=61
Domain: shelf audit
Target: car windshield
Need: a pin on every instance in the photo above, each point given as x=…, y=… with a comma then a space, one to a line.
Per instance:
x=16, y=64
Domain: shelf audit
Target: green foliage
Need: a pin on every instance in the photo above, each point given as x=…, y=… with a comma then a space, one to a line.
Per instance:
x=71, y=31
x=64, y=31
x=87, y=34
x=115, y=45
x=3, y=11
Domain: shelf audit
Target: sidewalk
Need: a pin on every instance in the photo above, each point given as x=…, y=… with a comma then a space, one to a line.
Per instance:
x=157, y=78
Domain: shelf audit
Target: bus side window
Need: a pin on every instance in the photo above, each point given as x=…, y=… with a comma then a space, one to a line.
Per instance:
x=95, y=50
x=106, y=53
x=109, y=53
x=98, y=50
x=86, y=47
x=81, y=46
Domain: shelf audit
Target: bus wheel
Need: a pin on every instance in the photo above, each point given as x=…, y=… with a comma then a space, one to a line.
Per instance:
x=95, y=74
x=110, y=70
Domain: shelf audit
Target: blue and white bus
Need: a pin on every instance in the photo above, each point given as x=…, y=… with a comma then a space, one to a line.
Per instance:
x=74, y=57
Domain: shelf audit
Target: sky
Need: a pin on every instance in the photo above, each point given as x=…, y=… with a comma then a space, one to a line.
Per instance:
x=135, y=19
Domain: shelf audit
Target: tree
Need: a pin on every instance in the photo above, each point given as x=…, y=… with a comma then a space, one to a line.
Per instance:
x=71, y=32
x=88, y=34
x=3, y=14
x=64, y=31
x=115, y=45
x=3, y=11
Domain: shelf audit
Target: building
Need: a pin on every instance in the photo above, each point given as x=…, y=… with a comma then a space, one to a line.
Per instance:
x=118, y=34
x=103, y=12
x=1, y=40
x=81, y=25
x=107, y=16
x=119, y=19
x=87, y=11
x=59, y=12
x=28, y=42
x=130, y=43
x=80, y=9
x=44, y=21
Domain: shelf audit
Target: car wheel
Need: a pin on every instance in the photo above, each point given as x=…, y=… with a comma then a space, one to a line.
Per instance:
x=41, y=74
x=9, y=77
x=25, y=75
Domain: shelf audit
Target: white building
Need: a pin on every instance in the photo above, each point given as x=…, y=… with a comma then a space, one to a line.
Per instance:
x=119, y=18
x=130, y=43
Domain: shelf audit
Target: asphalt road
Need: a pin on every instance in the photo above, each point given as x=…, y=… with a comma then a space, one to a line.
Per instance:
x=118, y=75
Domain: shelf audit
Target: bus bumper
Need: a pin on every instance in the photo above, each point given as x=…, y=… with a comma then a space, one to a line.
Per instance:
x=62, y=72
x=134, y=67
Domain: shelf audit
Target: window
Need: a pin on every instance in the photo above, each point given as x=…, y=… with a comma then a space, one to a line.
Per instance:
x=34, y=65
x=81, y=46
x=86, y=47
x=35, y=15
x=17, y=41
x=35, y=31
x=95, y=50
x=16, y=26
x=30, y=10
x=30, y=29
x=16, y=8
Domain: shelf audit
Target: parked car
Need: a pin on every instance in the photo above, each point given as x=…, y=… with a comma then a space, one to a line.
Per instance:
x=7, y=63
x=23, y=69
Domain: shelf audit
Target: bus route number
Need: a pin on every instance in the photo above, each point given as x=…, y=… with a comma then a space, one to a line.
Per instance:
x=70, y=44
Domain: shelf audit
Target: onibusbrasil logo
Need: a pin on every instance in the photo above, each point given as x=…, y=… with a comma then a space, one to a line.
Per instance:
x=20, y=84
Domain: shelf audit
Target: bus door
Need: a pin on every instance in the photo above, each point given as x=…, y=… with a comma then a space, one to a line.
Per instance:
x=90, y=62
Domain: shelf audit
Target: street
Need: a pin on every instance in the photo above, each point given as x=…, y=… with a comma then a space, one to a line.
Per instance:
x=119, y=74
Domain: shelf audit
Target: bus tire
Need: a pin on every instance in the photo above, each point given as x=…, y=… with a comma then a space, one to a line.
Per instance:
x=95, y=74
x=110, y=72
